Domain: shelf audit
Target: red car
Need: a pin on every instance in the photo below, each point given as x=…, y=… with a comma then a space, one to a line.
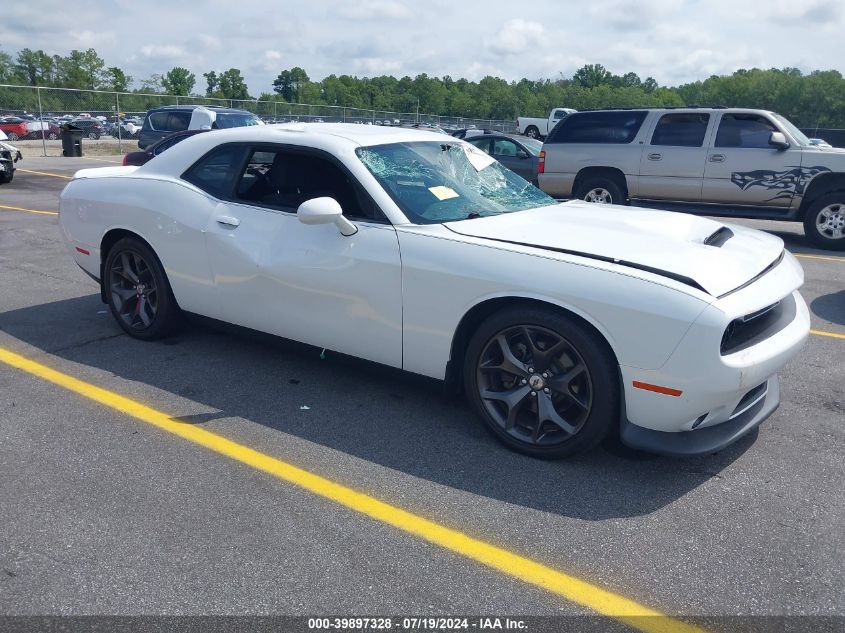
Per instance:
x=139, y=158
x=14, y=128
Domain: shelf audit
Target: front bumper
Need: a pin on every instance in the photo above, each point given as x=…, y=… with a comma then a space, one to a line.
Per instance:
x=706, y=440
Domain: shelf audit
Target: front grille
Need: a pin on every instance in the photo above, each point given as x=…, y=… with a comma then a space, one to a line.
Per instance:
x=757, y=326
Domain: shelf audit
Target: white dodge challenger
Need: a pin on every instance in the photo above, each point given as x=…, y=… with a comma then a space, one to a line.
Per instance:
x=562, y=323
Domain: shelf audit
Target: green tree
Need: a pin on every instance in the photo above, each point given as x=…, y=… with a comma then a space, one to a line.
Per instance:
x=34, y=67
x=231, y=83
x=592, y=75
x=212, y=83
x=178, y=81
x=118, y=80
x=289, y=83
x=151, y=84
x=82, y=69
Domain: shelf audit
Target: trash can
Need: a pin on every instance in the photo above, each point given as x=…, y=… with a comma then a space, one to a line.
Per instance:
x=71, y=140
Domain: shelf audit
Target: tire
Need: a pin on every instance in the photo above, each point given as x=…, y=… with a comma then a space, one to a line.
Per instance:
x=52, y=136
x=601, y=190
x=546, y=407
x=13, y=136
x=824, y=222
x=6, y=178
x=532, y=132
x=93, y=136
x=138, y=292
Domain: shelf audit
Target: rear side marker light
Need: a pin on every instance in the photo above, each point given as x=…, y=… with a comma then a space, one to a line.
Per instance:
x=83, y=251
x=666, y=391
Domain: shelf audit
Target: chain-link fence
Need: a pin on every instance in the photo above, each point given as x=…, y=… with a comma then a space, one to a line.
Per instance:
x=120, y=114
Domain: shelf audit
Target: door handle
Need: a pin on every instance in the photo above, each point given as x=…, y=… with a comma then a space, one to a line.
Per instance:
x=228, y=220
x=717, y=158
x=655, y=156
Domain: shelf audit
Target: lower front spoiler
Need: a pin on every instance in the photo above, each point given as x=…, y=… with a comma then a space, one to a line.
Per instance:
x=706, y=440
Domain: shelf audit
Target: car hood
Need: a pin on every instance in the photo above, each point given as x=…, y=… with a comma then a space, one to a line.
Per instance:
x=699, y=252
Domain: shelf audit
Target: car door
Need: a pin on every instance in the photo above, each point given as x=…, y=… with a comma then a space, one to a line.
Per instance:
x=308, y=283
x=672, y=163
x=742, y=168
x=514, y=157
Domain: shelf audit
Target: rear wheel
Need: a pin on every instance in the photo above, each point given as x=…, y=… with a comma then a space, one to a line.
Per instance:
x=543, y=383
x=600, y=190
x=138, y=292
x=12, y=136
x=824, y=222
x=93, y=135
x=532, y=132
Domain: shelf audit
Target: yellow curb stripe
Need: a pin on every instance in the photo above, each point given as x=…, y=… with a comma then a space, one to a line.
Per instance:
x=830, y=334
x=573, y=589
x=841, y=260
x=3, y=206
x=44, y=173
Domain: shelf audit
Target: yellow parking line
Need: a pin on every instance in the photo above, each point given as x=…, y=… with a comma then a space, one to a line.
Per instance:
x=104, y=160
x=573, y=589
x=44, y=173
x=3, y=206
x=830, y=334
x=824, y=257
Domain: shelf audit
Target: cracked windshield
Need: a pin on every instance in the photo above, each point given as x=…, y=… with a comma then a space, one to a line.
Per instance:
x=435, y=182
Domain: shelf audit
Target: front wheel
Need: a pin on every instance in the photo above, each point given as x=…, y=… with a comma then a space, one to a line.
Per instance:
x=138, y=292
x=12, y=136
x=824, y=223
x=543, y=383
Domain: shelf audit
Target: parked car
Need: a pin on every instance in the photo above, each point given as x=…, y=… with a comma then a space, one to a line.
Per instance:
x=144, y=156
x=92, y=128
x=9, y=155
x=15, y=128
x=563, y=323
x=520, y=155
x=714, y=161
x=163, y=121
x=539, y=128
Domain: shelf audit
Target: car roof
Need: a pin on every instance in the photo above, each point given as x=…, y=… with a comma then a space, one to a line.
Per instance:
x=194, y=107
x=340, y=139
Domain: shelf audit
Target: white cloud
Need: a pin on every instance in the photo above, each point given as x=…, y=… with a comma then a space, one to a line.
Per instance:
x=92, y=39
x=517, y=36
x=375, y=10
x=164, y=52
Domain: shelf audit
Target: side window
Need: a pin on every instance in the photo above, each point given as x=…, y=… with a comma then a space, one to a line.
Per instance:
x=158, y=120
x=481, y=143
x=744, y=130
x=681, y=130
x=167, y=145
x=178, y=121
x=504, y=147
x=216, y=172
x=618, y=126
x=283, y=179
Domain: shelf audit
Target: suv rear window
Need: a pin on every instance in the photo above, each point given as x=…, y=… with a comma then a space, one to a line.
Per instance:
x=681, y=129
x=598, y=127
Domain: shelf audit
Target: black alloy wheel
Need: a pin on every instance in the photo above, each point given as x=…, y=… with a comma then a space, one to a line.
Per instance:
x=138, y=293
x=543, y=383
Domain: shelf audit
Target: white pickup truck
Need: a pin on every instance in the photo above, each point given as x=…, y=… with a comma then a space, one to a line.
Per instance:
x=539, y=128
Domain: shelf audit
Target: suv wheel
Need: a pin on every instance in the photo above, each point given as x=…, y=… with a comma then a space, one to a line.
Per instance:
x=824, y=222
x=601, y=191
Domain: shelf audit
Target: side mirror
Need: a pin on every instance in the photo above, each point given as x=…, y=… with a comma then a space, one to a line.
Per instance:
x=325, y=211
x=777, y=139
x=521, y=153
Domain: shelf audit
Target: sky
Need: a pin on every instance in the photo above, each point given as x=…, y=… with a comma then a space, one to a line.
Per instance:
x=674, y=41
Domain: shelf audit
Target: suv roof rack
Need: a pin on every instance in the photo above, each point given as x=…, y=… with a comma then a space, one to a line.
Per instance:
x=684, y=107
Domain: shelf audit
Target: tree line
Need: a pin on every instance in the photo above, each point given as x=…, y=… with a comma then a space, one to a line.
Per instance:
x=809, y=100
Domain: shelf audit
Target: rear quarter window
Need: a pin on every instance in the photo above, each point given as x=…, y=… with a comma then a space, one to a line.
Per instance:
x=158, y=120
x=618, y=127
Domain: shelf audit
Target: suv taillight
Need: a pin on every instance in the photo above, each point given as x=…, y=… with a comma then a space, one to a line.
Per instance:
x=541, y=165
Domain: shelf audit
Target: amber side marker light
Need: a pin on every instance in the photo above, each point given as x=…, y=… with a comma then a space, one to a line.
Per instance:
x=666, y=391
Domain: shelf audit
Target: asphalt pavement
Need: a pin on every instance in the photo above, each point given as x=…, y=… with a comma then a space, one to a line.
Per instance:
x=104, y=514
